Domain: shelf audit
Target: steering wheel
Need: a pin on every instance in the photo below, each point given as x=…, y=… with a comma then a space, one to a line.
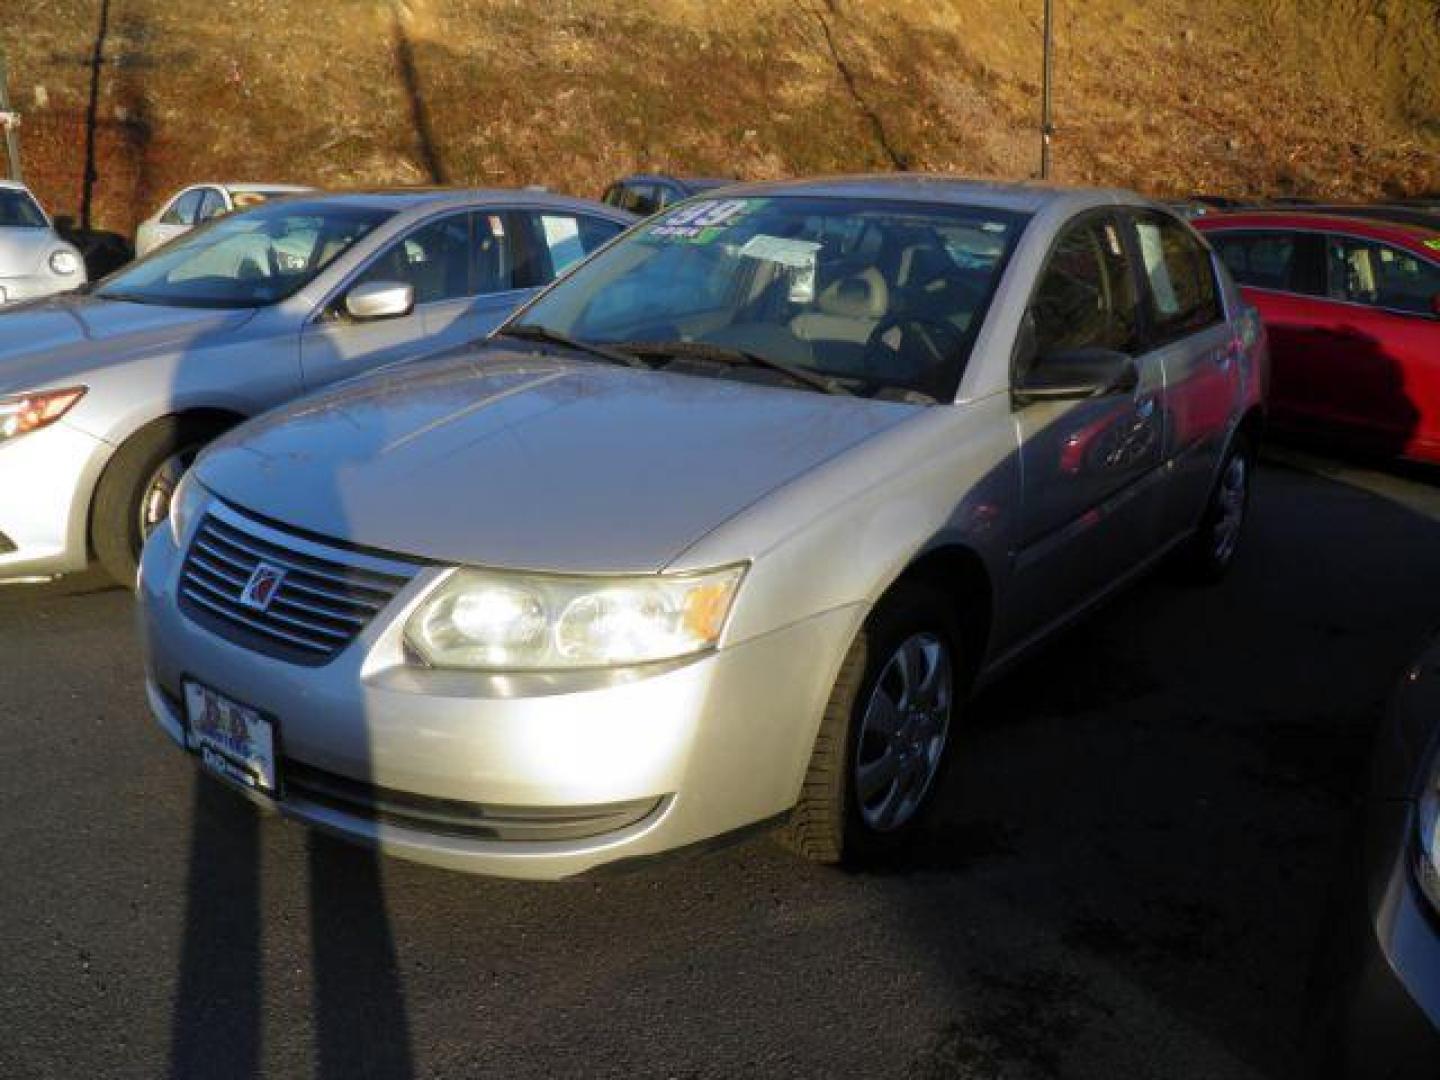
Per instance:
x=915, y=350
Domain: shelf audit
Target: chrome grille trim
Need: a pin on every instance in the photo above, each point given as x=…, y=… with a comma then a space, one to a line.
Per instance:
x=327, y=597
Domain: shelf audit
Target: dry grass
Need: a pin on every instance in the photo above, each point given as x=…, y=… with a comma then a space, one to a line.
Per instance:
x=1331, y=97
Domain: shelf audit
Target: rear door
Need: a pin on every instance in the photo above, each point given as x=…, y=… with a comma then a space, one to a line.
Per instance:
x=1281, y=272
x=1187, y=335
x=1090, y=468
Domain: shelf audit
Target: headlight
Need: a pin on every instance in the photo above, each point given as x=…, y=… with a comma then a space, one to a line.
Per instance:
x=1428, y=861
x=21, y=414
x=64, y=262
x=494, y=621
x=186, y=502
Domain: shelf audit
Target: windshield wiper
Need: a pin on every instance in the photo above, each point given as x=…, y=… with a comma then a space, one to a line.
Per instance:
x=546, y=336
x=704, y=350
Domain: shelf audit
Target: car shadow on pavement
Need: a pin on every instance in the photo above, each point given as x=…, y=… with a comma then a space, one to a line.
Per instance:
x=1143, y=828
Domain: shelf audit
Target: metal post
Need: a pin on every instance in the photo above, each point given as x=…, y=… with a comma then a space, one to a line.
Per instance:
x=12, y=136
x=1046, y=127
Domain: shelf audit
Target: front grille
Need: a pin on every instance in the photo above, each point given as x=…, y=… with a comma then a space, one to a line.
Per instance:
x=326, y=597
x=457, y=817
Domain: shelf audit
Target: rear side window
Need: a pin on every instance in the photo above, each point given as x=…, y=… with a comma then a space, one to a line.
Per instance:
x=1180, y=279
x=1086, y=295
x=1262, y=260
x=642, y=199
x=1369, y=272
x=557, y=240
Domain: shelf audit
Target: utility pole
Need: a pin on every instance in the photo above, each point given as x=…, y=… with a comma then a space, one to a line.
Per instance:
x=1046, y=127
x=9, y=121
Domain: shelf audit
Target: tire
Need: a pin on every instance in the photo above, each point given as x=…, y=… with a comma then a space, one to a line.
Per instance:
x=1208, y=555
x=134, y=492
x=839, y=819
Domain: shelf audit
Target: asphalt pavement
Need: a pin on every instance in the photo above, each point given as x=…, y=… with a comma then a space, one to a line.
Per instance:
x=1128, y=875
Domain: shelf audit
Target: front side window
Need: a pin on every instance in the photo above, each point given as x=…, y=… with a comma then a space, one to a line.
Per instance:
x=1182, y=293
x=877, y=296
x=183, y=210
x=19, y=211
x=434, y=260
x=1086, y=295
x=245, y=260
x=1369, y=272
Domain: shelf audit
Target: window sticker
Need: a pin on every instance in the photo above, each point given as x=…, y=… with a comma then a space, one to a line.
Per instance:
x=497, y=225
x=797, y=256
x=702, y=222
x=1152, y=250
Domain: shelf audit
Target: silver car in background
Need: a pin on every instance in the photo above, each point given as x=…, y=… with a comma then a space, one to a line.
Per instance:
x=34, y=260
x=106, y=397
x=199, y=203
x=720, y=530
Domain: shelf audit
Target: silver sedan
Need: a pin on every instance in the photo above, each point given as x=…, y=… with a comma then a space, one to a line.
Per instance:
x=719, y=531
x=34, y=260
x=106, y=397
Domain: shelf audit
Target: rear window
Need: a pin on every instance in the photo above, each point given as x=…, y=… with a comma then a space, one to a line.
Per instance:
x=19, y=211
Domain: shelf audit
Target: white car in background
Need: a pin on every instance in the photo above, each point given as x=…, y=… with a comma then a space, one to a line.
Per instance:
x=197, y=204
x=34, y=260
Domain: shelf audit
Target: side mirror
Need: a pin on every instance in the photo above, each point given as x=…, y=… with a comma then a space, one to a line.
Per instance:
x=379, y=300
x=1076, y=374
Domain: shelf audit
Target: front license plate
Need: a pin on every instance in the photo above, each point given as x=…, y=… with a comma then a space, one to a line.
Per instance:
x=233, y=740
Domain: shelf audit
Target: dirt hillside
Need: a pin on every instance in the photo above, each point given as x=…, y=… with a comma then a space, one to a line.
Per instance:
x=1337, y=98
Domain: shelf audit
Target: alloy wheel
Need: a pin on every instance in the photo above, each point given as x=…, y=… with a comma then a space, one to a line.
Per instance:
x=903, y=732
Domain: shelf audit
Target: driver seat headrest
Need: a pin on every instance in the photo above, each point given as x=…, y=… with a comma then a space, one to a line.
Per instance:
x=859, y=296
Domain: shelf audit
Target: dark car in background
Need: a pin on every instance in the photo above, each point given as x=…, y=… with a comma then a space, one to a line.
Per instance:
x=649, y=193
x=1353, y=309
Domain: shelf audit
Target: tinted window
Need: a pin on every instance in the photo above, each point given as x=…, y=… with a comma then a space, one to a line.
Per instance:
x=434, y=260
x=1086, y=295
x=245, y=260
x=184, y=209
x=1368, y=272
x=642, y=199
x=1181, y=280
x=1264, y=260
x=18, y=211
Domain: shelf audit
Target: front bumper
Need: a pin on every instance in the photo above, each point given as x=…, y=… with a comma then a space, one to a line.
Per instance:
x=37, y=286
x=696, y=749
x=46, y=480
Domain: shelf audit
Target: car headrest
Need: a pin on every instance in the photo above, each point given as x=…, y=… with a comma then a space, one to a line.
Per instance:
x=860, y=296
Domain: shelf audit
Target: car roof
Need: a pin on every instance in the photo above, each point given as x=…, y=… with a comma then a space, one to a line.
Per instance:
x=13, y=185
x=1396, y=232
x=414, y=198
x=248, y=186
x=932, y=188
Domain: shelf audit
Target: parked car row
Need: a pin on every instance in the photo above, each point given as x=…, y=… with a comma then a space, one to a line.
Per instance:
x=557, y=538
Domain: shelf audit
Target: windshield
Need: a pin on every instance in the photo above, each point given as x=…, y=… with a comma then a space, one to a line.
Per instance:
x=248, y=259
x=19, y=211
x=878, y=297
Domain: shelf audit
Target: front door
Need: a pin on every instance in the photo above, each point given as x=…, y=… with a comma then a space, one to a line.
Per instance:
x=1090, y=468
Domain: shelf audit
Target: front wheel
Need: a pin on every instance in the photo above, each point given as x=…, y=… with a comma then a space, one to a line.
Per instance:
x=1210, y=552
x=885, y=735
x=133, y=498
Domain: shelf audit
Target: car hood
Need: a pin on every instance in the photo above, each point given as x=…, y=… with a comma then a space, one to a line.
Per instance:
x=505, y=460
x=46, y=342
x=22, y=251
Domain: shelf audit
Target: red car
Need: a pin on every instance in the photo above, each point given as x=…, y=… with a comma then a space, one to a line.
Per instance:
x=1352, y=307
